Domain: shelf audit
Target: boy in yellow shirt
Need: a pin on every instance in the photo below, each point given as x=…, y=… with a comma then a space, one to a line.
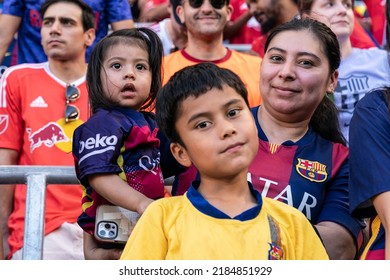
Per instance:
x=204, y=111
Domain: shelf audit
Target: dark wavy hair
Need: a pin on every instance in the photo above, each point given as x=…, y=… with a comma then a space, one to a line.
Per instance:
x=143, y=37
x=325, y=118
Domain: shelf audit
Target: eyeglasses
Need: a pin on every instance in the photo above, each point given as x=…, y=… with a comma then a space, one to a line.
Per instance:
x=72, y=113
x=217, y=4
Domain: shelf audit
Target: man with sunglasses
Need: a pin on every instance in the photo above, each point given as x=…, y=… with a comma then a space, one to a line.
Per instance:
x=40, y=106
x=205, y=21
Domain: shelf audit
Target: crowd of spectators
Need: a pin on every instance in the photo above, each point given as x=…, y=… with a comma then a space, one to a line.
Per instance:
x=232, y=34
x=246, y=30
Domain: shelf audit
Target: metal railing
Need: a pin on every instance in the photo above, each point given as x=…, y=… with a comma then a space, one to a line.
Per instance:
x=36, y=179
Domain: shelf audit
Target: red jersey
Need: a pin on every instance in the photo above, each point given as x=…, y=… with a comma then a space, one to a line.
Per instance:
x=360, y=38
x=250, y=31
x=32, y=113
x=377, y=12
x=149, y=4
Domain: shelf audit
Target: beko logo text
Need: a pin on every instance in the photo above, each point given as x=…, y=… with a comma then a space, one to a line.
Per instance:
x=98, y=142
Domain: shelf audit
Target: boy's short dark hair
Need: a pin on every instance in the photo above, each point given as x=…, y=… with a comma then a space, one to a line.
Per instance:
x=87, y=14
x=194, y=81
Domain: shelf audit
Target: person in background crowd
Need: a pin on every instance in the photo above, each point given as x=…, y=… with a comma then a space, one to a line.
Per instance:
x=205, y=22
x=171, y=31
x=8, y=56
x=369, y=136
x=242, y=28
x=41, y=104
x=22, y=17
x=372, y=13
x=361, y=69
x=273, y=13
x=135, y=7
x=152, y=11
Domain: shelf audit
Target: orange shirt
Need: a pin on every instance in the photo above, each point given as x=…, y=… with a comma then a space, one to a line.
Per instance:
x=246, y=66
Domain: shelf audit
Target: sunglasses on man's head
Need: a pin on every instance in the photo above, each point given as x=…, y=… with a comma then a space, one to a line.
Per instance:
x=72, y=113
x=217, y=4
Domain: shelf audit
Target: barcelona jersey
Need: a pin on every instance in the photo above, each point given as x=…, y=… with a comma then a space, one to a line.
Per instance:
x=310, y=175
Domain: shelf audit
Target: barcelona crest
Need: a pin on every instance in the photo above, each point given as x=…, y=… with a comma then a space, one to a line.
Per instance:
x=275, y=252
x=312, y=170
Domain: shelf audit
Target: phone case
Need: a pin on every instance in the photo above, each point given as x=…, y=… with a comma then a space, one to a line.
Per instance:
x=114, y=224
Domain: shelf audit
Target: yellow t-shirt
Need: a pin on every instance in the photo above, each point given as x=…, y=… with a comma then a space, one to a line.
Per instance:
x=174, y=229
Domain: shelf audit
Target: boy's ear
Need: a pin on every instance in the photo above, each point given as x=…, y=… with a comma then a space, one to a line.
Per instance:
x=180, y=154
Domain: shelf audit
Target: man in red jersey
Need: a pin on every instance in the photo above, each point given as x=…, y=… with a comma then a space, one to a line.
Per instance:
x=40, y=106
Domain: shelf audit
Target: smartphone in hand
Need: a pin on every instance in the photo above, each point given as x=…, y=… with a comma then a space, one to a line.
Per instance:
x=114, y=224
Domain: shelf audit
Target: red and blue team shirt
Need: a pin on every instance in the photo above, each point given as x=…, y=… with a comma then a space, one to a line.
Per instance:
x=121, y=141
x=29, y=37
x=310, y=174
x=369, y=165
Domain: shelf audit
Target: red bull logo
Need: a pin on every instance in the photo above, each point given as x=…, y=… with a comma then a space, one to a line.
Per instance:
x=48, y=135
